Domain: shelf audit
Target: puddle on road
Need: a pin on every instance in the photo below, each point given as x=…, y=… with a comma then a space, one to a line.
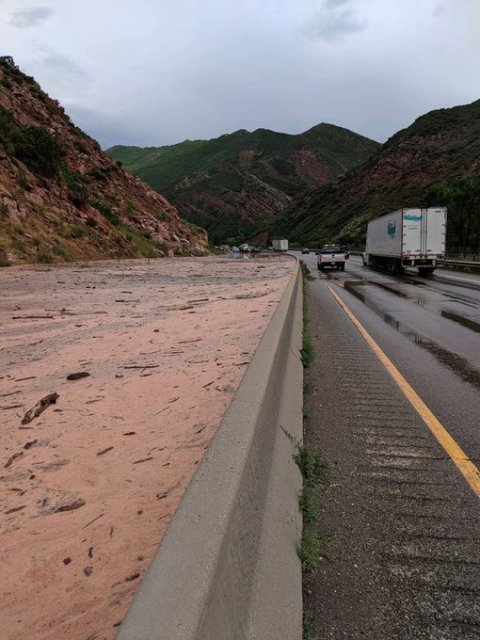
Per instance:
x=465, y=322
x=456, y=363
x=404, y=329
x=352, y=287
x=472, y=305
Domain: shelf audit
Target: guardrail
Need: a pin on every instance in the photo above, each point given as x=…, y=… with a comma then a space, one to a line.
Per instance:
x=454, y=264
x=460, y=264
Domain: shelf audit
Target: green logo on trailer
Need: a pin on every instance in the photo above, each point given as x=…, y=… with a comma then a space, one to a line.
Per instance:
x=392, y=228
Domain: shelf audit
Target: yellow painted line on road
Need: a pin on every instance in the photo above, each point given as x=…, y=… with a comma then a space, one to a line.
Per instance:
x=466, y=467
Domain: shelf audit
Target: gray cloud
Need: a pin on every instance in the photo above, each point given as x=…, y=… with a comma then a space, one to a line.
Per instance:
x=56, y=62
x=109, y=130
x=67, y=75
x=439, y=10
x=334, y=21
x=333, y=4
x=162, y=72
x=30, y=17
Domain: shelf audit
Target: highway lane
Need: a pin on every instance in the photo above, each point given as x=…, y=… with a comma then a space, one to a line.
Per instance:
x=430, y=328
x=400, y=557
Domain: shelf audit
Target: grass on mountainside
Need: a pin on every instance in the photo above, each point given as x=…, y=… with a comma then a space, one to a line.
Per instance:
x=163, y=167
x=244, y=177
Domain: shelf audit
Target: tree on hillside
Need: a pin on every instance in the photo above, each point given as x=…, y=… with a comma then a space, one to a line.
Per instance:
x=462, y=198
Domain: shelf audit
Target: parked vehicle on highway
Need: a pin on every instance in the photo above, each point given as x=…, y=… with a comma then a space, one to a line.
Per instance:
x=410, y=237
x=331, y=256
x=280, y=245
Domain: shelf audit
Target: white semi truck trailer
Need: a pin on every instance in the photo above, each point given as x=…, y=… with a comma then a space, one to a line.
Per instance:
x=280, y=245
x=410, y=237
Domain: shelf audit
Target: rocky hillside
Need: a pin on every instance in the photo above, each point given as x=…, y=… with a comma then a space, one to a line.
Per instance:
x=435, y=161
x=62, y=198
x=233, y=184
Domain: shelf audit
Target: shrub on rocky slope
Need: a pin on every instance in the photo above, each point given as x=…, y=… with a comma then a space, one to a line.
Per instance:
x=62, y=198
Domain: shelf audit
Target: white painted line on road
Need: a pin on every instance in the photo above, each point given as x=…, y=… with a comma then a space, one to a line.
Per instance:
x=463, y=463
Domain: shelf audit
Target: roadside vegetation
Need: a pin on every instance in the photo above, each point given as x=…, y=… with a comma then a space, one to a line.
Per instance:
x=462, y=199
x=307, y=630
x=314, y=473
x=306, y=352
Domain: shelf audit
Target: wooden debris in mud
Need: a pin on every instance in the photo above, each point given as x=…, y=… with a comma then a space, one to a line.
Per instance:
x=141, y=366
x=103, y=451
x=76, y=504
x=132, y=576
x=78, y=375
x=32, y=317
x=40, y=407
x=92, y=521
x=13, y=458
x=15, y=509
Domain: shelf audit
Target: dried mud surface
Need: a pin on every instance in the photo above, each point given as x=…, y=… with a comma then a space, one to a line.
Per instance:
x=89, y=485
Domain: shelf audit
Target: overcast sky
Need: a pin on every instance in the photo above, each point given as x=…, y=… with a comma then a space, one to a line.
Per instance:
x=155, y=72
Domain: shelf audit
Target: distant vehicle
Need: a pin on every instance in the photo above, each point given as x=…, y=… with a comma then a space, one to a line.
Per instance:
x=331, y=256
x=245, y=248
x=280, y=245
x=305, y=250
x=410, y=237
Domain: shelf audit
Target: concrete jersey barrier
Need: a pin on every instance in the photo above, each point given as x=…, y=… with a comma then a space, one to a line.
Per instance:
x=227, y=567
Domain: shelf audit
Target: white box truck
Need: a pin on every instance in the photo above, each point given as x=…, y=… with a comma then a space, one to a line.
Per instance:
x=280, y=245
x=410, y=237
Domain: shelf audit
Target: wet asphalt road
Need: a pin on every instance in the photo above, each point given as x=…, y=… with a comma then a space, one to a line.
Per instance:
x=401, y=526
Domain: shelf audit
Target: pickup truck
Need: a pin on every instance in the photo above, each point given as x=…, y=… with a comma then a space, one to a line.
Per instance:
x=331, y=256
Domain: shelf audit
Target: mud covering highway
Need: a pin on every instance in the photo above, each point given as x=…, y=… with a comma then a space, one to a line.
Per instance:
x=399, y=523
x=140, y=360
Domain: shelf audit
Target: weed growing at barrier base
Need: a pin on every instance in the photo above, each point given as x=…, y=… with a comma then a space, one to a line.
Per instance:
x=307, y=629
x=307, y=388
x=315, y=476
x=306, y=352
x=306, y=271
x=314, y=473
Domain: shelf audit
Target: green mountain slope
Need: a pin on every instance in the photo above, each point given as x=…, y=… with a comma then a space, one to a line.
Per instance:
x=436, y=160
x=232, y=184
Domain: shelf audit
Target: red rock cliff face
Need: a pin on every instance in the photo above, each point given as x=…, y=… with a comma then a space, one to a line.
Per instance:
x=86, y=206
